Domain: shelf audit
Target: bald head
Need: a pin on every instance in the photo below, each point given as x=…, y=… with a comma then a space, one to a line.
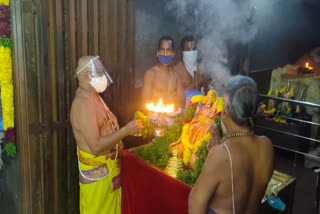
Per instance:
x=82, y=72
x=83, y=61
x=91, y=71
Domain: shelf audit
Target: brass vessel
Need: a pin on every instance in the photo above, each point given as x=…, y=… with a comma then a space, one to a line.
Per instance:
x=174, y=164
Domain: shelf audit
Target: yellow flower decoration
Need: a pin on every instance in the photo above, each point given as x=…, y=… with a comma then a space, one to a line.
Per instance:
x=7, y=105
x=188, y=147
x=282, y=90
x=271, y=111
x=276, y=92
x=279, y=120
x=288, y=110
x=269, y=92
x=186, y=156
x=5, y=2
x=219, y=105
x=5, y=66
x=6, y=87
x=212, y=94
x=198, y=99
x=202, y=140
x=185, y=138
x=291, y=93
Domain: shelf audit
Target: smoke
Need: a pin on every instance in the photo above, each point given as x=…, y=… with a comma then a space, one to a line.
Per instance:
x=216, y=24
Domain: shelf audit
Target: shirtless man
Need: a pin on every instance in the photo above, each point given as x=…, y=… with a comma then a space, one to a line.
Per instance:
x=98, y=139
x=237, y=170
x=187, y=68
x=159, y=81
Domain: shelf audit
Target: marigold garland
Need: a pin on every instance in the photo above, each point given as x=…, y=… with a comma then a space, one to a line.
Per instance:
x=282, y=90
x=7, y=105
x=184, y=136
x=291, y=93
x=6, y=87
x=6, y=83
x=279, y=120
x=271, y=111
x=6, y=67
x=5, y=2
x=269, y=92
x=195, y=100
x=188, y=147
x=202, y=140
x=198, y=99
x=275, y=92
x=219, y=105
x=186, y=156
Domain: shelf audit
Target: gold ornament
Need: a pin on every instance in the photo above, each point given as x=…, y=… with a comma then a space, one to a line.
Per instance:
x=174, y=164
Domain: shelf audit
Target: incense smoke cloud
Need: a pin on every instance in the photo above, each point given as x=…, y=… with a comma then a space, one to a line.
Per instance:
x=215, y=23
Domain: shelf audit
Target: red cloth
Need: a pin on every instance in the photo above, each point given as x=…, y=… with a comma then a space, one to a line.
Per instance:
x=146, y=190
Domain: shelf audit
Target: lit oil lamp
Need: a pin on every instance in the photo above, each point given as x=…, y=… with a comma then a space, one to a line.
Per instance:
x=160, y=107
x=309, y=67
x=305, y=69
x=158, y=132
x=158, y=110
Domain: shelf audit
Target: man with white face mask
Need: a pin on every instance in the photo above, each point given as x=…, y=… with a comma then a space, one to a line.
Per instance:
x=98, y=139
x=187, y=68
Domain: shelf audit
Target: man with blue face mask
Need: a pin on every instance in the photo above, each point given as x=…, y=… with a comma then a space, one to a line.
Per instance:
x=160, y=81
x=98, y=139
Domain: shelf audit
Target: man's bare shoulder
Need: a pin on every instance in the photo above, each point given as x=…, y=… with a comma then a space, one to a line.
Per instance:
x=152, y=70
x=217, y=154
x=81, y=99
x=179, y=68
x=82, y=107
x=265, y=142
x=81, y=103
x=265, y=145
x=178, y=65
x=150, y=75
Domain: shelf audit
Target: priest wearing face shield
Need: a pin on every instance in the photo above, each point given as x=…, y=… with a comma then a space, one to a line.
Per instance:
x=98, y=139
x=187, y=69
x=160, y=81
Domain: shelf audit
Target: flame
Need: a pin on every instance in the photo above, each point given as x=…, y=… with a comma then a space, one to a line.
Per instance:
x=309, y=67
x=160, y=107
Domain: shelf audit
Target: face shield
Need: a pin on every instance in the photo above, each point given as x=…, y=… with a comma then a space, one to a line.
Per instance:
x=100, y=78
